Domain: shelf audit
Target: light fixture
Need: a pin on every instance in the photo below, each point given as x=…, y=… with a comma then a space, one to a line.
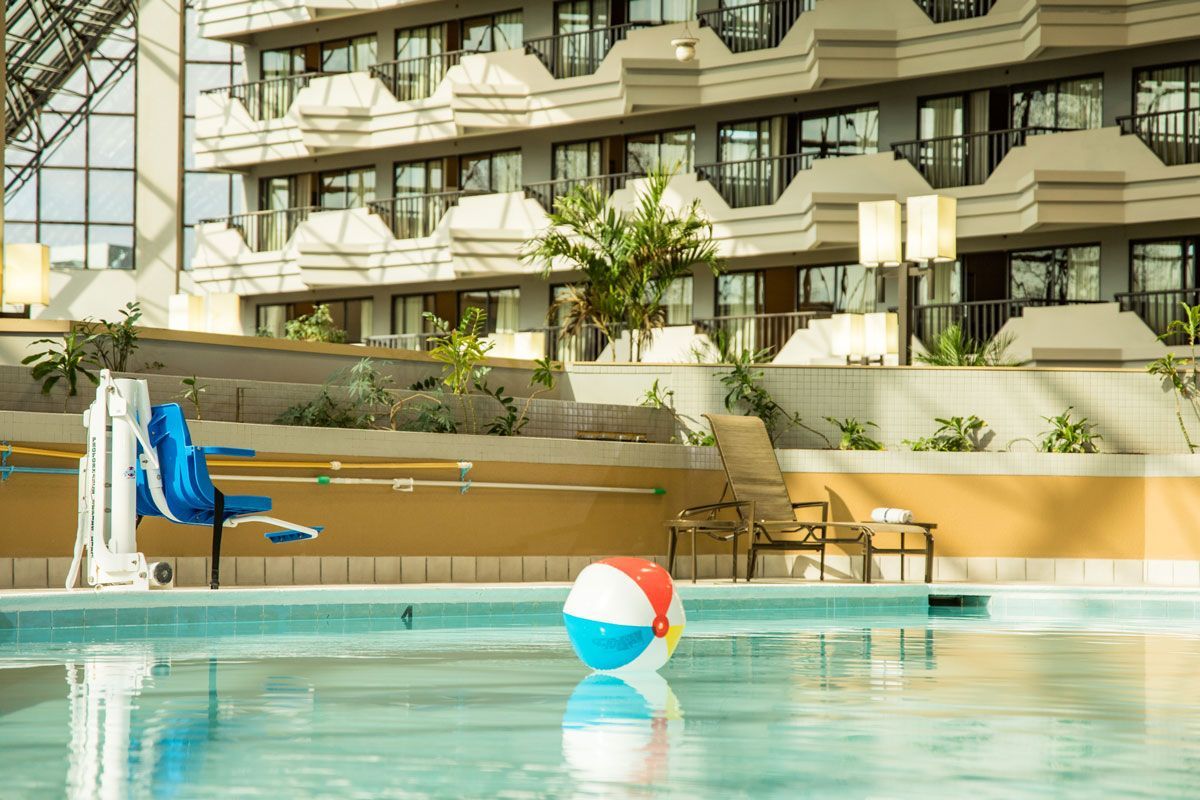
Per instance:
x=848, y=341
x=931, y=228
x=224, y=313
x=685, y=45
x=185, y=312
x=25, y=274
x=879, y=233
x=881, y=334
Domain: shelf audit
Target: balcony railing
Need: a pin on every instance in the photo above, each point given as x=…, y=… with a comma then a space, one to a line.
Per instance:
x=979, y=319
x=587, y=345
x=951, y=10
x=401, y=341
x=1159, y=308
x=569, y=55
x=758, y=331
x=416, y=215
x=754, y=181
x=1174, y=136
x=268, y=99
x=416, y=78
x=966, y=159
x=266, y=231
x=547, y=192
x=757, y=26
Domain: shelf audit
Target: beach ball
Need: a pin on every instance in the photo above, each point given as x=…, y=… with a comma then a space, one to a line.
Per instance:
x=624, y=613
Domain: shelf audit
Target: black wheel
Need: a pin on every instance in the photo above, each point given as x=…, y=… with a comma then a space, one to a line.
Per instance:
x=163, y=573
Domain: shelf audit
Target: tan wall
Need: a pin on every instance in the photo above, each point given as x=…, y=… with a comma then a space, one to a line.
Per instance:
x=1030, y=516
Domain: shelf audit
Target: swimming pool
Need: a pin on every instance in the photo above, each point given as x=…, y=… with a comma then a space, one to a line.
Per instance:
x=942, y=702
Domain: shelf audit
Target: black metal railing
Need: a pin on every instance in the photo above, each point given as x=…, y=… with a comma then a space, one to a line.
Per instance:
x=965, y=159
x=569, y=55
x=587, y=345
x=412, y=216
x=756, y=26
x=270, y=98
x=757, y=331
x=402, y=341
x=416, y=78
x=952, y=10
x=1174, y=136
x=979, y=319
x=266, y=231
x=547, y=192
x=1158, y=309
x=754, y=181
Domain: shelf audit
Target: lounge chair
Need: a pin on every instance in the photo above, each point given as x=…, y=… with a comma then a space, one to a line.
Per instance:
x=766, y=514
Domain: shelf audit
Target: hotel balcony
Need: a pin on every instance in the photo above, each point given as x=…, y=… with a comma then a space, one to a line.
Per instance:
x=776, y=48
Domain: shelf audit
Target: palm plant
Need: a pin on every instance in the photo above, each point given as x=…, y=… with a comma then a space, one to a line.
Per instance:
x=628, y=259
x=953, y=347
x=64, y=360
x=1181, y=376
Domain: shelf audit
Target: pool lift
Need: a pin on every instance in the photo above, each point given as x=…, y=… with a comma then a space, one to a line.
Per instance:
x=118, y=452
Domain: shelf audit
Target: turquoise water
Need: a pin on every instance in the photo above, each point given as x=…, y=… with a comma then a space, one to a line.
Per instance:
x=901, y=707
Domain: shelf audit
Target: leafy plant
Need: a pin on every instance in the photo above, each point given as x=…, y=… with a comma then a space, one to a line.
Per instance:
x=315, y=327
x=64, y=360
x=510, y=421
x=1181, y=376
x=952, y=347
x=461, y=350
x=700, y=439
x=628, y=259
x=323, y=411
x=745, y=391
x=115, y=342
x=1067, y=436
x=192, y=389
x=432, y=415
x=658, y=396
x=854, y=434
x=954, y=435
x=366, y=397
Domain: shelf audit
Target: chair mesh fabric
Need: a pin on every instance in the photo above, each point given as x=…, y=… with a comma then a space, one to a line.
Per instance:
x=751, y=466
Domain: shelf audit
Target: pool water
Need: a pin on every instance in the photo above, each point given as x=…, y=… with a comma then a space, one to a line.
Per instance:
x=900, y=707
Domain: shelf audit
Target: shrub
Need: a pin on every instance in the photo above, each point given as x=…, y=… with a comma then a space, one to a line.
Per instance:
x=854, y=434
x=315, y=327
x=955, y=435
x=115, y=342
x=64, y=360
x=954, y=348
x=1066, y=436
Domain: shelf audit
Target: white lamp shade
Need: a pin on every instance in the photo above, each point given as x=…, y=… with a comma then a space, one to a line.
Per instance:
x=881, y=334
x=879, y=233
x=932, y=228
x=848, y=335
x=185, y=312
x=224, y=311
x=25, y=274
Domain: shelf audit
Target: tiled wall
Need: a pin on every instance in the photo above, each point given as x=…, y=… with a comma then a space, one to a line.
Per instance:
x=1130, y=408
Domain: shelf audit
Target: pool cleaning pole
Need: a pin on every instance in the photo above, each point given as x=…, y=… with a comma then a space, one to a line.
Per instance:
x=407, y=484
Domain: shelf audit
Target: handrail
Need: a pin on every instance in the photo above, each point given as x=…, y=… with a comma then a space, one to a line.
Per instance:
x=1174, y=136
x=413, y=216
x=268, y=230
x=1158, y=308
x=965, y=159
x=756, y=181
x=547, y=192
x=979, y=319
x=416, y=78
x=954, y=10
x=269, y=98
x=402, y=341
x=587, y=345
x=758, y=331
x=755, y=26
x=570, y=55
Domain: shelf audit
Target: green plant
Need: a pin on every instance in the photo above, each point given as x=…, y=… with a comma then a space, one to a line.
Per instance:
x=461, y=350
x=115, y=342
x=315, y=327
x=745, y=390
x=1181, y=376
x=64, y=360
x=510, y=421
x=952, y=347
x=628, y=259
x=323, y=411
x=432, y=416
x=658, y=396
x=263, y=332
x=955, y=435
x=1066, y=436
x=366, y=396
x=854, y=434
x=701, y=439
x=153, y=366
x=192, y=389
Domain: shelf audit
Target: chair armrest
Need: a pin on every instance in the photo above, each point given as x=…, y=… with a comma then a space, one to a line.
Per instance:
x=821, y=504
x=240, y=452
x=687, y=512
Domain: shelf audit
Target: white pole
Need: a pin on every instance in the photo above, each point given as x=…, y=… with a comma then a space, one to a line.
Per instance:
x=406, y=483
x=123, y=536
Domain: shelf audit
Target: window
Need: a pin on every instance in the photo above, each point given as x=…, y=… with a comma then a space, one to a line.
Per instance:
x=1174, y=87
x=348, y=55
x=420, y=177
x=282, y=63
x=502, y=307
x=1073, y=103
x=1163, y=264
x=850, y=288
x=575, y=160
x=740, y=294
x=354, y=316
x=677, y=300
x=846, y=132
x=346, y=188
x=1055, y=273
x=492, y=32
x=646, y=152
x=941, y=283
x=660, y=11
x=408, y=311
x=488, y=173
x=757, y=138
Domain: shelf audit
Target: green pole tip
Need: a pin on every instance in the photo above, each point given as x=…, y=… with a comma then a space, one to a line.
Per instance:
x=323, y=480
x=660, y=491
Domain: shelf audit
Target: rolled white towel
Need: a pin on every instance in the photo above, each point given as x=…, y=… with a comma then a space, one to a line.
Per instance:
x=895, y=516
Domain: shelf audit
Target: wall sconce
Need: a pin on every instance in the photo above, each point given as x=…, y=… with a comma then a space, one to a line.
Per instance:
x=224, y=313
x=25, y=275
x=931, y=228
x=879, y=233
x=185, y=312
x=848, y=336
x=881, y=334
